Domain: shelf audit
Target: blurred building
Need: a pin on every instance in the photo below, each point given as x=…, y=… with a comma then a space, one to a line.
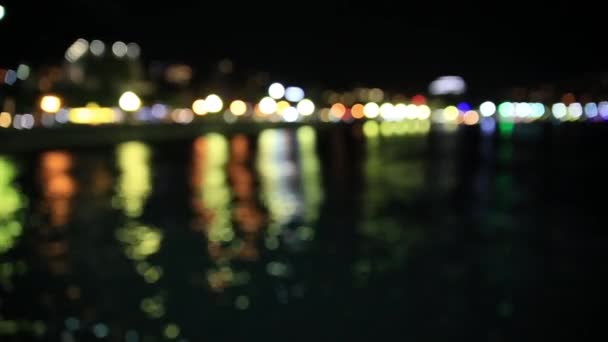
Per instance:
x=99, y=72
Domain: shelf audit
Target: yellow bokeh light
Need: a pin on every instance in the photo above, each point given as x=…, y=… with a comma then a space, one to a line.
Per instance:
x=213, y=103
x=129, y=101
x=371, y=129
x=238, y=107
x=387, y=128
x=423, y=112
x=410, y=111
x=134, y=183
x=50, y=103
x=376, y=95
x=267, y=105
x=282, y=106
x=371, y=110
x=92, y=114
x=198, y=107
x=171, y=331
x=324, y=114
x=305, y=107
x=450, y=113
x=215, y=190
x=5, y=119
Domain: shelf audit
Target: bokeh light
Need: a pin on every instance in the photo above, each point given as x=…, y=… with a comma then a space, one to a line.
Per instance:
x=575, y=110
x=523, y=110
x=387, y=111
x=50, y=103
x=591, y=109
x=423, y=112
x=401, y=111
x=376, y=95
x=470, y=117
x=487, y=109
x=198, y=107
x=133, y=50
x=290, y=114
x=450, y=113
x=371, y=110
x=337, y=110
x=213, y=103
x=559, y=110
x=464, y=107
x=357, y=111
x=418, y=99
x=276, y=91
x=76, y=50
x=171, y=331
x=568, y=98
x=267, y=105
x=448, y=85
x=506, y=109
x=488, y=126
x=371, y=129
x=305, y=107
x=5, y=119
x=119, y=49
x=23, y=72
x=238, y=107
x=282, y=106
x=27, y=121
x=602, y=109
x=97, y=47
x=411, y=111
x=10, y=77
x=538, y=110
x=129, y=101
x=294, y=94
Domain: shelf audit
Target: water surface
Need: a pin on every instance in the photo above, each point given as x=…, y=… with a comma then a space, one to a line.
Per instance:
x=303, y=234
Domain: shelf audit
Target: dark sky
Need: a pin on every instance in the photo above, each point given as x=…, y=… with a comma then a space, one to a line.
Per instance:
x=382, y=43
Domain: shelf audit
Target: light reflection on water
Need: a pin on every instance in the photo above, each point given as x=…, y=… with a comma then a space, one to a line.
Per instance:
x=12, y=202
x=145, y=242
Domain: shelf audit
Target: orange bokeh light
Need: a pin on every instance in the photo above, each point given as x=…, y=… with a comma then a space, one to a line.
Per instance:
x=471, y=118
x=357, y=111
x=337, y=110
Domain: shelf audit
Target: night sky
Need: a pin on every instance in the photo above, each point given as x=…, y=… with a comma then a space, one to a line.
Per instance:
x=338, y=44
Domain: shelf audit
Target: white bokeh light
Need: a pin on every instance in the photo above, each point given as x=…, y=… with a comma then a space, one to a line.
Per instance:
x=290, y=114
x=487, y=109
x=267, y=105
x=119, y=49
x=129, y=101
x=276, y=90
x=97, y=47
x=294, y=94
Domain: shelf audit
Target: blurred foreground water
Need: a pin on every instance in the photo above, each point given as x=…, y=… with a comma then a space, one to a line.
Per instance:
x=304, y=234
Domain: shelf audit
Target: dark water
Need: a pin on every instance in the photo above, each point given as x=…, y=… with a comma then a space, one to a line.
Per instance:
x=303, y=235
